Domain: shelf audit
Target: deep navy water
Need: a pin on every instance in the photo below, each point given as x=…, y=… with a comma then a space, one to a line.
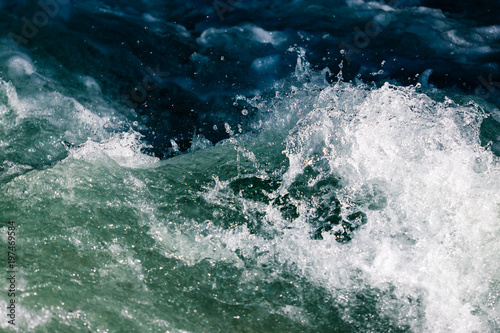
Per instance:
x=250, y=166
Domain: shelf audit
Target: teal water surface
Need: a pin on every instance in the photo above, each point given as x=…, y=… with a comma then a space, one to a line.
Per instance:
x=341, y=208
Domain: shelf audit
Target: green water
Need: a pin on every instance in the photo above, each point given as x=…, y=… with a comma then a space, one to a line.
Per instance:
x=94, y=254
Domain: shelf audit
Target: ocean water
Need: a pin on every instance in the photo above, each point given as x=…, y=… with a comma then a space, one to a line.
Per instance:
x=249, y=166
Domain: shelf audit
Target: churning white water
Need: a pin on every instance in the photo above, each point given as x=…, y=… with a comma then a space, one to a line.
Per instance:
x=374, y=204
x=431, y=194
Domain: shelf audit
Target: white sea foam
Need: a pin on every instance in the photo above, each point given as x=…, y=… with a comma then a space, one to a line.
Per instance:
x=123, y=148
x=431, y=194
x=431, y=240
x=50, y=113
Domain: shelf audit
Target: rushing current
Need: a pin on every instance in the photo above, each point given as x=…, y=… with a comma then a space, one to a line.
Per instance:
x=250, y=166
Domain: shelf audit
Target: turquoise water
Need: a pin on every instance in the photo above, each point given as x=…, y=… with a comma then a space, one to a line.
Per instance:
x=339, y=208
